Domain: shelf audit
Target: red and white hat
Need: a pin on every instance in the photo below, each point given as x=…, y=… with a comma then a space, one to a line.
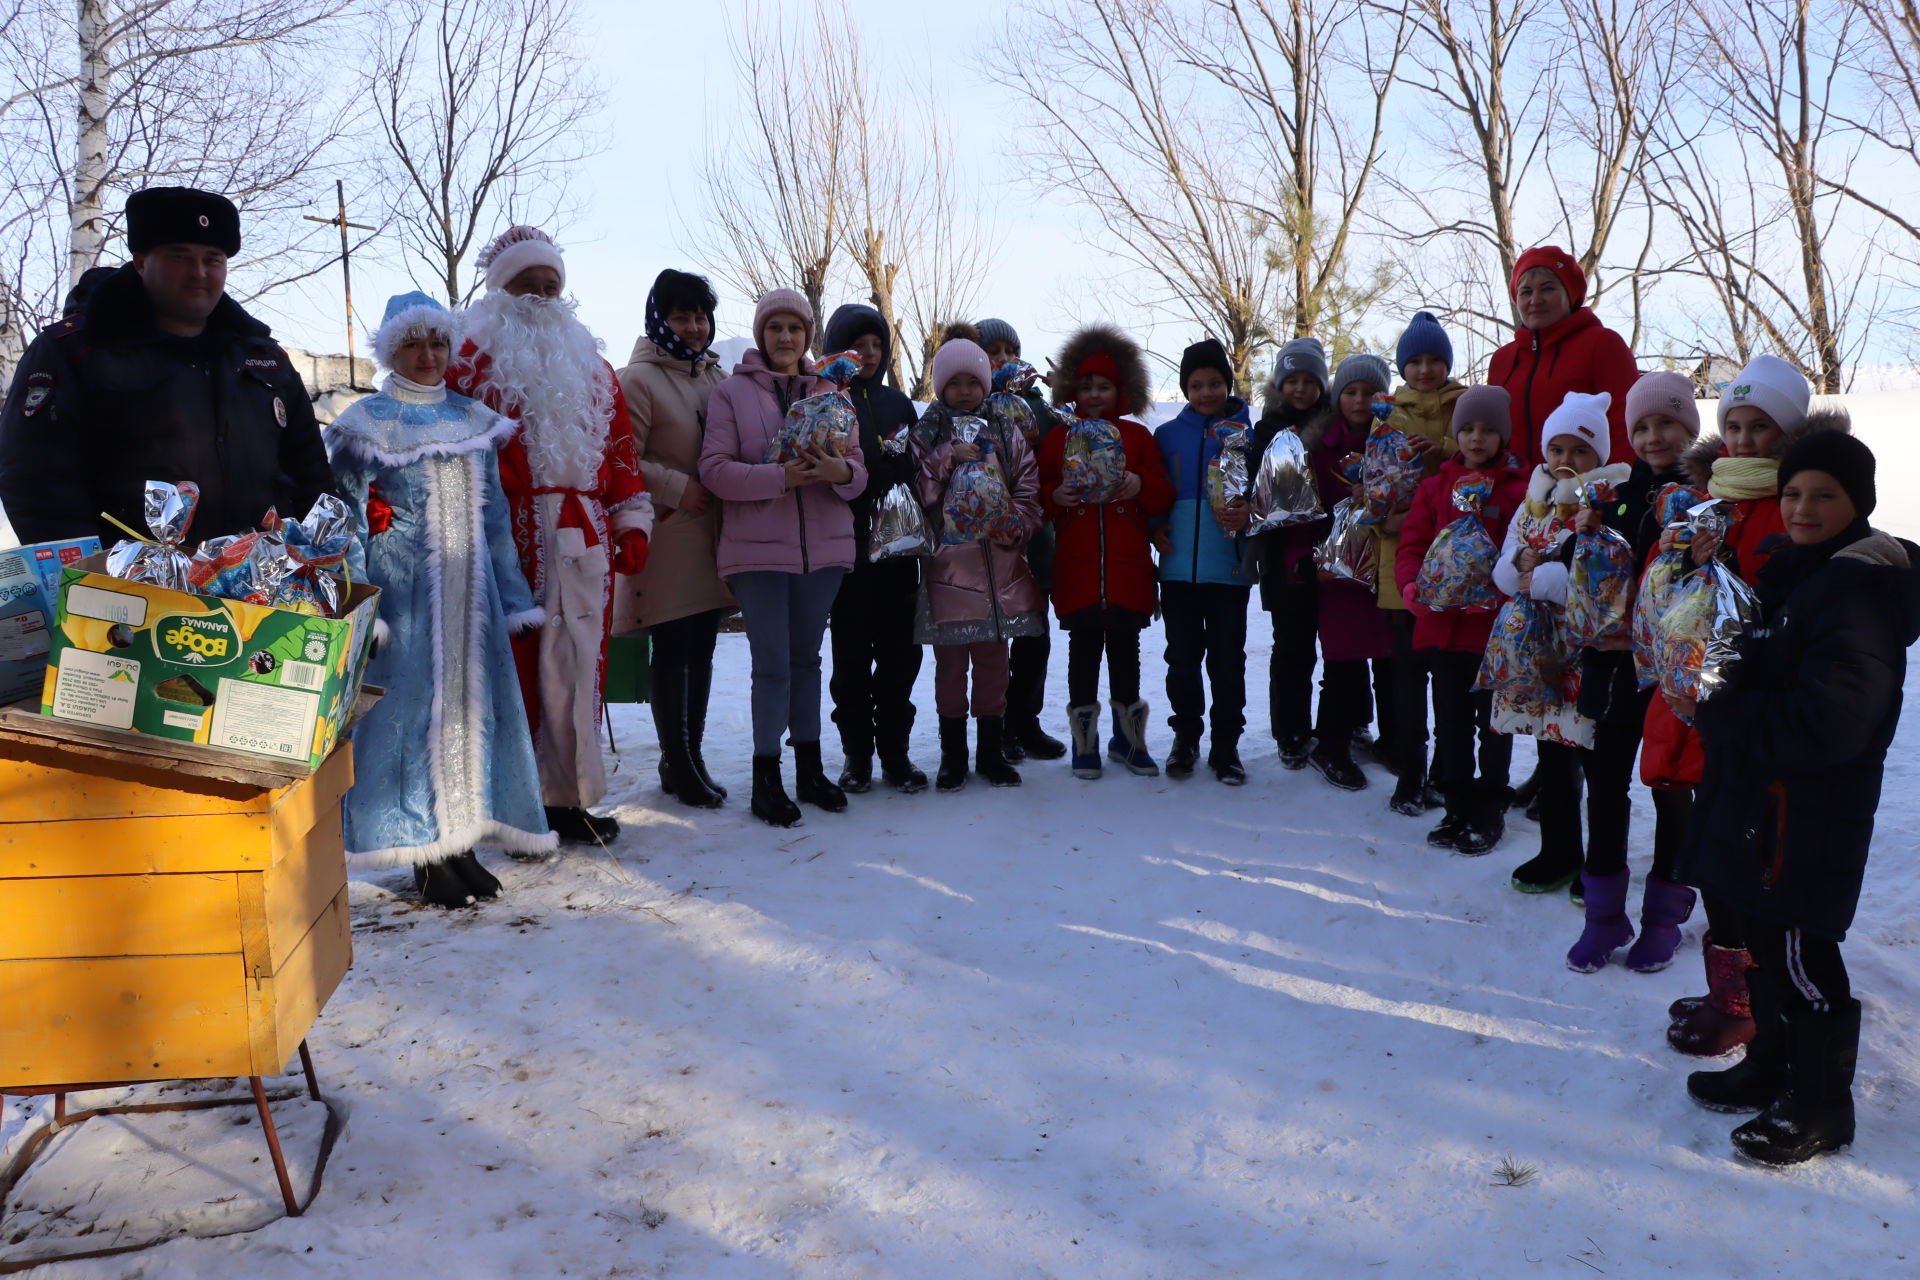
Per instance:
x=1583, y=417
x=516, y=249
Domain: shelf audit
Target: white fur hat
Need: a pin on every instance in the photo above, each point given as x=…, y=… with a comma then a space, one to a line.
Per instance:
x=1772, y=386
x=1583, y=417
x=407, y=314
x=516, y=249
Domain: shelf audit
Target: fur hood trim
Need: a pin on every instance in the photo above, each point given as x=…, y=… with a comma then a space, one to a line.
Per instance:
x=1880, y=548
x=1090, y=340
x=1697, y=462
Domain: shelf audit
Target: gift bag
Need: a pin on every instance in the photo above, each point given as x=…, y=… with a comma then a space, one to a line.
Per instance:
x=1457, y=573
x=1006, y=402
x=1524, y=655
x=1227, y=469
x=1663, y=573
x=1392, y=470
x=821, y=421
x=298, y=564
x=1600, y=583
x=158, y=561
x=899, y=521
x=1094, y=461
x=1283, y=489
x=1707, y=612
x=1350, y=551
x=977, y=507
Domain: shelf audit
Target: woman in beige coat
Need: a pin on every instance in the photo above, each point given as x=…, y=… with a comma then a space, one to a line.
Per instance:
x=678, y=599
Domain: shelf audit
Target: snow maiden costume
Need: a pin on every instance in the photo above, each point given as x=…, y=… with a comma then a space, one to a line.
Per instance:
x=446, y=760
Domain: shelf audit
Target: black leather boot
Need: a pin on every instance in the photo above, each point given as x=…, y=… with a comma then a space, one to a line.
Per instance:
x=439, y=885
x=810, y=782
x=953, y=754
x=575, y=825
x=678, y=777
x=479, y=881
x=989, y=761
x=699, y=687
x=770, y=801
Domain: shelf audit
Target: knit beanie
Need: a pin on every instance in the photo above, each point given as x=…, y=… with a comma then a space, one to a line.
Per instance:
x=1361, y=367
x=516, y=249
x=1205, y=354
x=992, y=331
x=1842, y=456
x=1301, y=355
x=1663, y=392
x=1557, y=260
x=1581, y=416
x=959, y=355
x=1493, y=406
x=1772, y=386
x=1424, y=337
x=780, y=302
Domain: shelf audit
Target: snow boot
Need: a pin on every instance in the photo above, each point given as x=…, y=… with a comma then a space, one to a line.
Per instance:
x=480, y=882
x=1365, y=748
x=1294, y=751
x=990, y=759
x=1815, y=1113
x=1333, y=760
x=1486, y=814
x=1688, y=1005
x=952, y=774
x=1724, y=1021
x=1185, y=755
x=900, y=771
x=810, y=783
x=575, y=825
x=699, y=687
x=1128, y=745
x=678, y=777
x=856, y=773
x=1525, y=794
x=1223, y=757
x=439, y=885
x=1085, y=724
x=770, y=801
x=1452, y=827
x=1409, y=798
x=1607, y=928
x=1664, y=907
x=1034, y=741
x=1547, y=871
x=1754, y=1082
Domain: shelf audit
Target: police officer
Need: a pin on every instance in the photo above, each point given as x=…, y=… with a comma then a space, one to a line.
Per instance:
x=160, y=376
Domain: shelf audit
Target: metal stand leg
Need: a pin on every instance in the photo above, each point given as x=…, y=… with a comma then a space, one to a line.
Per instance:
x=273, y=1146
x=306, y=1065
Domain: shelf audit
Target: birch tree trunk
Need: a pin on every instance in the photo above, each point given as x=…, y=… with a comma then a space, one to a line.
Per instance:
x=87, y=212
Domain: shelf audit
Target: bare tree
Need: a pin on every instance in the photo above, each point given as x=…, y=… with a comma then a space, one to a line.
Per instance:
x=1887, y=62
x=484, y=109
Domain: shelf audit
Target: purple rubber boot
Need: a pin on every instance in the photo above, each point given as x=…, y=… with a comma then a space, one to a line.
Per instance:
x=1607, y=927
x=1663, y=909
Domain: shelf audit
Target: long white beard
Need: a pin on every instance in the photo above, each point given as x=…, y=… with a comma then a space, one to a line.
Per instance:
x=545, y=369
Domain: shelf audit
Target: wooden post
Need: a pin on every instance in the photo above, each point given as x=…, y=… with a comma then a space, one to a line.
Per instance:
x=346, y=267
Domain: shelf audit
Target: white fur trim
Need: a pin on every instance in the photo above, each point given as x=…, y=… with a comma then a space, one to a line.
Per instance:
x=381, y=631
x=521, y=254
x=635, y=513
x=341, y=438
x=511, y=839
x=526, y=620
x=394, y=330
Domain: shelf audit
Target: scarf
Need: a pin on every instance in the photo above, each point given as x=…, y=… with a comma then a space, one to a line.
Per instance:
x=661, y=334
x=1744, y=479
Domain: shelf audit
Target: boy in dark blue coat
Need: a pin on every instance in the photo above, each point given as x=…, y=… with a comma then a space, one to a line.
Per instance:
x=1203, y=588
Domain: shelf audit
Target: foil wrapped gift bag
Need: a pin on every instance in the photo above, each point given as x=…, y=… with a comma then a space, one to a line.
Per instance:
x=1006, y=402
x=899, y=521
x=1663, y=572
x=822, y=421
x=1600, y=582
x=1227, y=480
x=1284, y=493
x=977, y=508
x=158, y=560
x=1094, y=458
x=1707, y=613
x=315, y=551
x=1391, y=470
x=1524, y=659
x=1457, y=573
x=1350, y=551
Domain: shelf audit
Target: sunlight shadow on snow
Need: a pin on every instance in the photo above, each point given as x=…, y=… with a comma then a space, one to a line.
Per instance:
x=1240, y=859
x=1335, y=995
x=922, y=881
x=1328, y=895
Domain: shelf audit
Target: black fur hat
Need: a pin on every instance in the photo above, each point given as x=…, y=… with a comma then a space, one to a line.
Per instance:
x=181, y=215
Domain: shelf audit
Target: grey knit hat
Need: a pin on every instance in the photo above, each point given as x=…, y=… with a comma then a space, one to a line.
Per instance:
x=1301, y=355
x=1361, y=367
x=992, y=331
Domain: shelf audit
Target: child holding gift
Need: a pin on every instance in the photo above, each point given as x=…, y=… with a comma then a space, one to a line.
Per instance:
x=1103, y=589
x=978, y=595
x=1452, y=640
x=1203, y=585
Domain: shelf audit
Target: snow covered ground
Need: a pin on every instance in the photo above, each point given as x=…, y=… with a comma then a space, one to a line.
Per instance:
x=1132, y=1028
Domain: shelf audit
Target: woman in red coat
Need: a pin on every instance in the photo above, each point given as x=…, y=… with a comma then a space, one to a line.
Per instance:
x=1560, y=346
x=1103, y=580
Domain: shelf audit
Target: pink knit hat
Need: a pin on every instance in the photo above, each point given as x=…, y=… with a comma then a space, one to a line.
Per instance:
x=958, y=355
x=1664, y=392
x=781, y=302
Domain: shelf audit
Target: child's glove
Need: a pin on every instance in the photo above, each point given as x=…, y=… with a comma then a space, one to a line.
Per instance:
x=629, y=551
x=379, y=511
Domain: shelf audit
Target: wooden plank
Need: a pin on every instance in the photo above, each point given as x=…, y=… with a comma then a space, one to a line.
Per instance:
x=302, y=987
x=43, y=781
x=122, y=1019
x=298, y=809
x=68, y=917
x=300, y=884
x=133, y=846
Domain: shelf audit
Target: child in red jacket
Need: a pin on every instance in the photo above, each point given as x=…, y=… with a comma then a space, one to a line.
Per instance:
x=1453, y=640
x=1103, y=580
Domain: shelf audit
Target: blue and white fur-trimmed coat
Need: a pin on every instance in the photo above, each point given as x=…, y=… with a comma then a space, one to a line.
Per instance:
x=445, y=761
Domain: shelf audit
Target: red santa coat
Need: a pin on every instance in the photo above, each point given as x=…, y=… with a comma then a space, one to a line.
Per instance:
x=565, y=537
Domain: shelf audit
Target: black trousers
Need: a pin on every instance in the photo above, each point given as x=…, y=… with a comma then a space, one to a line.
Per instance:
x=1462, y=718
x=1408, y=738
x=1811, y=975
x=1295, y=610
x=1027, y=675
x=1671, y=809
x=680, y=655
x=875, y=659
x=1346, y=698
x=1608, y=768
x=1725, y=922
x=1114, y=633
x=1206, y=624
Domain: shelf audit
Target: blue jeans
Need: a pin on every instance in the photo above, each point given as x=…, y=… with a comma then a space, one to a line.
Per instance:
x=786, y=617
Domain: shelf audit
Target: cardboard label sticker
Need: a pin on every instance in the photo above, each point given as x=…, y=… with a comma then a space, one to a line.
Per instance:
x=96, y=687
x=106, y=606
x=264, y=719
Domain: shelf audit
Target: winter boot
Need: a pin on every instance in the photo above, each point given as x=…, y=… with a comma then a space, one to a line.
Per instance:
x=1754, y=1082
x=1085, y=723
x=900, y=772
x=770, y=801
x=1365, y=748
x=1294, y=750
x=1223, y=757
x=953, y=754
x=1664, y=907
x=1688, y=1005
x=990, y=758
x=1409, y=797
x=1010, y=746
x=1607, y=928
x=440, y=885
x=1035, y=741
x=1333, y=760
x=810, y=780
x=1486, y=820
x=1547, y=871
x=856, y=774
x=699, y=687
x=575, y=825
x=1815, y=1113
x=678, y=777
x=1525, y=794
x=1725, y=1021
x=1452, y=827
x=1128, y=745
x=480, y=882
x=1185, y=755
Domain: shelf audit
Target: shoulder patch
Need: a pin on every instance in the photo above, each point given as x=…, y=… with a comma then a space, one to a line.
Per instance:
x=255, y=362
x=61, y=328
x=39, y=388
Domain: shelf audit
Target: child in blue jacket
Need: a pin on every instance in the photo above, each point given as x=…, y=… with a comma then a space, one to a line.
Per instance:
x=1203, y=588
